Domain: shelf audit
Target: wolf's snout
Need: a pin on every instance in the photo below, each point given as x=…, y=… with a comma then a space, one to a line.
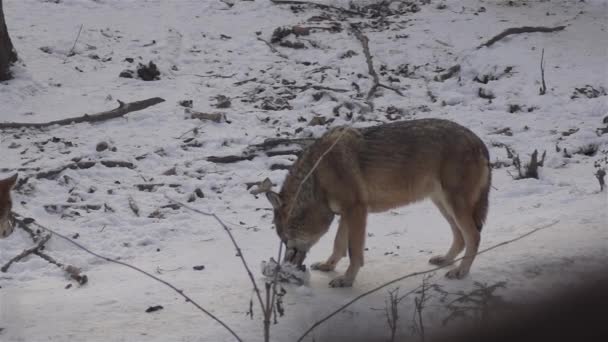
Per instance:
x=295, y=256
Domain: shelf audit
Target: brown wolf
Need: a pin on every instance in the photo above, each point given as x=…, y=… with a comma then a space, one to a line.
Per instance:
x=6, y=228
x=378, y=168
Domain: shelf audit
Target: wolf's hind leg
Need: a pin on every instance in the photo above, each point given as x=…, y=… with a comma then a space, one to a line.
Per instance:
x=458, y=241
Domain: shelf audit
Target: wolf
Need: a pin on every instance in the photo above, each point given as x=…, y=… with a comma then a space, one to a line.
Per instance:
x=6, y=227
x=351, y=172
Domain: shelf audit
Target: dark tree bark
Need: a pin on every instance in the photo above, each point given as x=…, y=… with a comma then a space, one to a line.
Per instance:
x=8, y=55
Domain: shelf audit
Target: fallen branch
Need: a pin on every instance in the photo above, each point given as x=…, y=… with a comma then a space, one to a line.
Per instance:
x=171, y=286
x=229, y=159
x=239, y=253
x=543, y=87
x=26, y=252
x=448, y=74
x=274, y=142
x=214, y=75
x=71, y=53
x=52, y=174
x=370, y=65
x=272, y=48
x=410, y=275
x=123, y=108
x=133, y=206
x=72, y=271
x=317, y=87
x=518, y=30
x=321, y=6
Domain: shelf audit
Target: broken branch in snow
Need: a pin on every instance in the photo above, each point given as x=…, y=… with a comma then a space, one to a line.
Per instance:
x=71, y=53
x=321, y=6
x=272, y=48
x=72, y=271
x=215, y=76
x=317, y=87
x=229, y=159
x=518, y=30
x=448, y=74
x=410, y=275
x=274, y=142
x=370, y=65
x=123, y=108
x=52, y=174
x=600, y=174
x=178, y=291
x=543, y=87
x=239, y=252
x=133, y=206
x=26, y=252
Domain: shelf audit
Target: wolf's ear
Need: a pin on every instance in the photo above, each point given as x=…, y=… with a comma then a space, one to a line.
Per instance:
x=9, y=182
x=274, y=199
x=12, y=180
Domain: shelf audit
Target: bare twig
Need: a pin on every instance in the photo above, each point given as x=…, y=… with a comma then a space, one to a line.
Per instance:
x=370, y=65
x=517, y=30
x=410, y=275
x=272, y=48
x=419, y=301
x=274, y=142
x=543, y=87
x=317, y=87
x=236, y=246
x=26, y=252
x=52, y=174
x=229, y=159
x=171, y=286
x=133, y=206
x=71, y=53
x=600, y=174
x=453, y=70
x=321, y=6
x=391, y=311
x=123, y=108
x=214, y=76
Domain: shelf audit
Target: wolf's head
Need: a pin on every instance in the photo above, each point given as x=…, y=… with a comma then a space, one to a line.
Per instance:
x=6, y=228
x=300, y=218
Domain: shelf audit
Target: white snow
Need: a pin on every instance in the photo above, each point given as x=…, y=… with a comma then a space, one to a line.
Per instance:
x=209, y=38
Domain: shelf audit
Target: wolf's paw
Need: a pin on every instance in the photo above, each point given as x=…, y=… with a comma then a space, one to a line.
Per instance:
x=456, y=273
x=341, y=281
x=322, y=266
x=439, y=260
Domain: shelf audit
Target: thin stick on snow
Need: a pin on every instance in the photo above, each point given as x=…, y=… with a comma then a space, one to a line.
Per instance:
x=267, y=307
x=543, y=87
x=71, y=53
x=410, y=275
x=318, y=5
x=370, y=65
x=518, y=30
x=122, y=109
x=236, y=245
x=272, y=48
x=180, y=292
x=26, y=252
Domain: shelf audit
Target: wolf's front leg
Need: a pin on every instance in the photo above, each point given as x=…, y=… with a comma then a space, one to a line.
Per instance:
x=340, y=247
x=354, y=219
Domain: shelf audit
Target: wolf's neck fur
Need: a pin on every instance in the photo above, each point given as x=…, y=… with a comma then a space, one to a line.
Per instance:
x=295, y=177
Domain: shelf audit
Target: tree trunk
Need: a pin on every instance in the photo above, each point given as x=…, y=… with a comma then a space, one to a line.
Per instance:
x=8, y=55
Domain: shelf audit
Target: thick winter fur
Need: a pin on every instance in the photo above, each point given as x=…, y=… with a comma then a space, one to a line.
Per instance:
x=6, y=228
x=379, y=168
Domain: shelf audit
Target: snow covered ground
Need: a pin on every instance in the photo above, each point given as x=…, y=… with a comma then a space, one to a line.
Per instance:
x=219, y=43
